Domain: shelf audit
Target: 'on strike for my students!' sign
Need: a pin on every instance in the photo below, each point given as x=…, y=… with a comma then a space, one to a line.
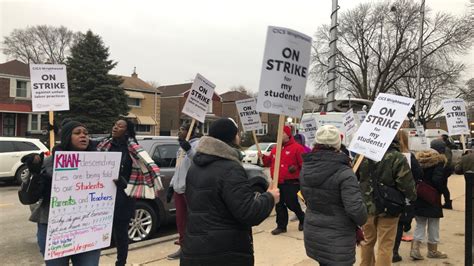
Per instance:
x=249, y=117
x=49, y=91
x=82, y=204
x=309, y=130
x=386, y=116
x=455, y=112
x=284, y=72
x=199, y=98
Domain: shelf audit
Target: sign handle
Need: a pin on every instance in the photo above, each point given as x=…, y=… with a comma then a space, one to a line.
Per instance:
x=357, y=163
x=463, y=141
x=258, y=146
x=276, y=170
x=51, y=131
x=188, y=136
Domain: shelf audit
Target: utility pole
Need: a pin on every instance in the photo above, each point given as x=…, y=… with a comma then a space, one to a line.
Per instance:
x=331, y=95
x=420, y=54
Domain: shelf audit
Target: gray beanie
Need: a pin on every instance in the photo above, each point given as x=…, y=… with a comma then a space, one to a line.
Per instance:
x=438, y=145
x=329, y=135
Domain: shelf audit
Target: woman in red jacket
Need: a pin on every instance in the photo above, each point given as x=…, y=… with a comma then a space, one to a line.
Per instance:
x=288, y=180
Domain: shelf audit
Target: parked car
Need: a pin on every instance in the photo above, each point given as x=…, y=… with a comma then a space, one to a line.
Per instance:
x=151, y=214
x=11, y=151
x=251, y=155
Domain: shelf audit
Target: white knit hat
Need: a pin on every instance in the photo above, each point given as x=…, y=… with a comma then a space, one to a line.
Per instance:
x=328, y=135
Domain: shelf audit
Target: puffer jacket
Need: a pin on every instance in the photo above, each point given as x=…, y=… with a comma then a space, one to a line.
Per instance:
x=291, y=153
x=221, y=208
x=465, y=164
x=433, y=165
x=393, y=170
x=334, y=207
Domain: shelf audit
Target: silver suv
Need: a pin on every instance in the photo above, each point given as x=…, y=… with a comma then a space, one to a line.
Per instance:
x=151, y=214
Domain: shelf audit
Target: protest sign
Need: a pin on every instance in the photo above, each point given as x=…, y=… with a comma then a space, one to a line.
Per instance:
x=284, y=72
x=456, y=116
x=49, y=90
x=82, y=204
x=308, y=124
x=361, y=115
x=376, y=133
x=349, y=122
x=249, y=117
x=199, y=98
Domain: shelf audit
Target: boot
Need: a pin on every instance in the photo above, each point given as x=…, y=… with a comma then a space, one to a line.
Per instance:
x=175, y=256
x=434, y=253
x=448, y=205
x=415, y=250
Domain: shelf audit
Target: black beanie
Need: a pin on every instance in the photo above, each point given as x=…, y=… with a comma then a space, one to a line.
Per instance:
x=66, y=133
x=224, y=129
x=438, y=145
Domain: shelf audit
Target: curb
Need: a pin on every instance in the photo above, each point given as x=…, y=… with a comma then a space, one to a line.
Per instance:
x=141, y=244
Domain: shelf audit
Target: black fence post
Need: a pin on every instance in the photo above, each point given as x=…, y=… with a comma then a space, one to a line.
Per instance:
x=469, y=227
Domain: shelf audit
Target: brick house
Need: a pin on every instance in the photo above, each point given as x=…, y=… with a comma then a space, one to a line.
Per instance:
x=16, y=115
x=173, y=98
x=145, y=104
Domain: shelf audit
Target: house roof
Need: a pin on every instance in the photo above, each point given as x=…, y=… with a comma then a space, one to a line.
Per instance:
x=16, y=68
x=174, y=90
x=135, y=83
x=232, y=96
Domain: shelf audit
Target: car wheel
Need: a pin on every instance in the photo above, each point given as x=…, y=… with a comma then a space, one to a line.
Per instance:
x=22, y=174
x=143, y=224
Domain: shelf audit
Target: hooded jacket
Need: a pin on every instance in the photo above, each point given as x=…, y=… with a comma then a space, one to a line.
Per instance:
x=393, y=170
x=334, y=207
x=178, y=182
x=291, y=153
x=221, y=208
x=433, y=164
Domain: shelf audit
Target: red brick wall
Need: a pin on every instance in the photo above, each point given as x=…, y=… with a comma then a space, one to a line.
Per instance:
x=5, y=91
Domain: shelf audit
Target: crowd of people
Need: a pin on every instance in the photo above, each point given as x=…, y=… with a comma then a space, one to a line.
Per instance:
x=216, y=207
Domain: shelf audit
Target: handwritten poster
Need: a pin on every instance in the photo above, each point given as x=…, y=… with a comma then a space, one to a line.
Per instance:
x=82, y=202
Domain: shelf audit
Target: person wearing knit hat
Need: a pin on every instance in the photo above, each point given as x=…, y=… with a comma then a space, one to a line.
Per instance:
x=222, y=208
x=328, y=135
x=288, y=182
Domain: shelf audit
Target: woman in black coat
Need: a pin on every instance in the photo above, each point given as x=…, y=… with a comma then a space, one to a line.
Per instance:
x=221, y=205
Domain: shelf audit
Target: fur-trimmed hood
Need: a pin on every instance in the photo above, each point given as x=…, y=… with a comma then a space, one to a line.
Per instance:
x=209, y=148
x=430, y=158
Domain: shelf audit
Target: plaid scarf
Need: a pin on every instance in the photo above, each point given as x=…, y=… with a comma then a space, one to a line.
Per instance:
x=145, y=181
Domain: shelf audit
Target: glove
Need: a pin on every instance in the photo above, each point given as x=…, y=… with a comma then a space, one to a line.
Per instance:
x=34, y=162
x=292, y=169
x=185, y=145
x=121, y=182
x=169, y=194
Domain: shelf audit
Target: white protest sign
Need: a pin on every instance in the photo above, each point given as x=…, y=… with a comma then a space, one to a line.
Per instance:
x=248, y=114
x=82, y=204
x=309, y=127
x=349, y=122
x=456, y=118
x=199, y=98
x=376, y=133
x=361, y=115
x=284, y=72
x=49, y=91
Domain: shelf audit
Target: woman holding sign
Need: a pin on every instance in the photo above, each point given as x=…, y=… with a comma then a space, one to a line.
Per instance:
x=74, y=137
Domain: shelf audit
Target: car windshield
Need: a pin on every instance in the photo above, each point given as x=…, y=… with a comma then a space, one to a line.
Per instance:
x=263, y=146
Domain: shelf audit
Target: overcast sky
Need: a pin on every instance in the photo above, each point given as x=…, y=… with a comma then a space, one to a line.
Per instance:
x=170, y=41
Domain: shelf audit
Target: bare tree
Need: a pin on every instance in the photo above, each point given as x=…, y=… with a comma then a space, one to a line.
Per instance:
x=243, y=90
x=378, y=41
x=40, y=44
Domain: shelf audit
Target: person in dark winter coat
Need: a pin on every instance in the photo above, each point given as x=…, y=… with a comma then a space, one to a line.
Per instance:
x=221, y=205
x=448, y=170
x=334, y=201
x=427, y=215
x=74, y=137
x=288, y=182
x=465, y=164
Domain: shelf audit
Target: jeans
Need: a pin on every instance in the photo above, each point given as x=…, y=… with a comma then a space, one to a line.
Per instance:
x=433, y=229
x=288, y=198
x=383, y=230
x=90, y=258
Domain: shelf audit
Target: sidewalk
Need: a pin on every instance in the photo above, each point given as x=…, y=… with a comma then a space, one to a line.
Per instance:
x=288, y=248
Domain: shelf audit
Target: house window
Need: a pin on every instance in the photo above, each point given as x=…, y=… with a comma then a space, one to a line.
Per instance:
x=34, y=122
x=263, y=131
x=134, y=102
x=21, y=88
x=9, y=125
x=143, y=128
x=209, y=107
x=205, y=128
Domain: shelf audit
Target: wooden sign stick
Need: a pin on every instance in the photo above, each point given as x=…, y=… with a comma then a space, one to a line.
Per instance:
x=276, y=170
